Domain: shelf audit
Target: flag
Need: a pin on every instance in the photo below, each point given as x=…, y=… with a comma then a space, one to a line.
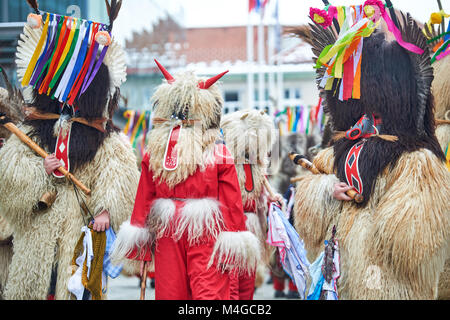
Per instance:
x=282, y=234
x=252, y=4
x=257, y=5
x=278, y=29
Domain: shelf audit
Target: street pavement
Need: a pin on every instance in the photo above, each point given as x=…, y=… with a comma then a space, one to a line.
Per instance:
x=128, y=288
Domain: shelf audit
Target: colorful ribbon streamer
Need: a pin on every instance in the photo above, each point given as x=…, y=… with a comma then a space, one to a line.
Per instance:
x=69, y=58
x=137, y=127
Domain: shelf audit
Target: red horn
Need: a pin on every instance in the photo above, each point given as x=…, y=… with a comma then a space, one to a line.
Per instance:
x=166, y=73
x=208, y=83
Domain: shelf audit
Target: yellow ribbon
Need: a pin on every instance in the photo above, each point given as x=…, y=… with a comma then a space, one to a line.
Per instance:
x=129, y=114
x=341, y=15
x=37, y=52
x=136, y=127
x=435, y=18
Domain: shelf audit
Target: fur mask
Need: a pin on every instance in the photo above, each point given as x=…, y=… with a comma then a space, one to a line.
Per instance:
x=193, y=106
x=395, y=85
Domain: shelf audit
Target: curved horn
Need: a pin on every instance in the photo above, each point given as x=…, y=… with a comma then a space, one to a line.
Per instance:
x=208, y=83
x=166, y=73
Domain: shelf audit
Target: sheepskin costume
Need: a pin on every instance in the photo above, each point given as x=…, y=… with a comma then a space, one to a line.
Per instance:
x=103, y=160
x=5, y=229
x=394, y=244
x=249, y=135
x=188, y=209
x=441, y=92
x=6, y=233
x=11, y=102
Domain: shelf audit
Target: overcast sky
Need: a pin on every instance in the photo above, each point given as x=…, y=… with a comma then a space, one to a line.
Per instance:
x=138, y=14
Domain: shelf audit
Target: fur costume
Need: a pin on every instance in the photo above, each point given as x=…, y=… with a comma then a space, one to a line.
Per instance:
x=441, y=92
x=188, y=211
x=291, y=142
x=249, y=135
x=11, y=102
x=394, y=244
x=103, y=160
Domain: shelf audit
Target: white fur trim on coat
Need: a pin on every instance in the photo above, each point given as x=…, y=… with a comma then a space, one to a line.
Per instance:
x=129, y=238
x=253, y=225
x=160, y=217
x=236, y=252
x=198, y=217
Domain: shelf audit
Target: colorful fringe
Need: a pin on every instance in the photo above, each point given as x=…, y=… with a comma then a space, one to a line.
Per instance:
x=69, y=57
x=343, y=58
x=300, y=119
x=137, y=128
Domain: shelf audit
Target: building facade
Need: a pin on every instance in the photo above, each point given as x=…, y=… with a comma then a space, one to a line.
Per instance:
x=210, y=51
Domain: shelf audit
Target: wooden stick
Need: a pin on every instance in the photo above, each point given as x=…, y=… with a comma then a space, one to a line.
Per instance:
x=143, y=279
x=302, y=161
x=270, y=191
x=268, y=188
x=443, y=21
x=25, y=139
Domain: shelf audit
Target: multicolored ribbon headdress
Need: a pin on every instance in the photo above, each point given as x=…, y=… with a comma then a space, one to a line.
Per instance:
x=439, y=40
x=342, y=58
x=59, y=56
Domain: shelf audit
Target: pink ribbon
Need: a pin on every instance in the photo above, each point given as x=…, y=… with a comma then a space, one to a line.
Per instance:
x=398, y=36
x=443, y=54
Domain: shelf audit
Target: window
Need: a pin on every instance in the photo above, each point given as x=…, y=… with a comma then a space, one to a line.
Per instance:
x=231, y=96
x=287, y=94
x=17, y=11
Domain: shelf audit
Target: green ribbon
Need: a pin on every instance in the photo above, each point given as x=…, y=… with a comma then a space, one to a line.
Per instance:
x=68, y=57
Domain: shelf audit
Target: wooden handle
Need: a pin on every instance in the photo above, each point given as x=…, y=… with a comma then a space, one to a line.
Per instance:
x=269, y=188
x=355, y=196
x=30, y=143
x=302, y=161
x=143, y=280
x=305, y=163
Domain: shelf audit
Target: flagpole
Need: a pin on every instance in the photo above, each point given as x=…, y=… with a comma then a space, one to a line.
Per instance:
x=261, y=61
x=278, y=62
x=271, y=63
x=250, y=60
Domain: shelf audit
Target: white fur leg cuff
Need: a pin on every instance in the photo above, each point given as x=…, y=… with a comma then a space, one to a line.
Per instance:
x=236, y=252
x=129, y=238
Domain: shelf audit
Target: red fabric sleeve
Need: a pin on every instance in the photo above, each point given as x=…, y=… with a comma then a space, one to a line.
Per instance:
x=230, y=197
x=145, y=195
x=144, y=199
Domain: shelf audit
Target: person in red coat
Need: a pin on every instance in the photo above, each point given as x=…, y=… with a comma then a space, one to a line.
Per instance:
x=250, y=135
x=188, y=214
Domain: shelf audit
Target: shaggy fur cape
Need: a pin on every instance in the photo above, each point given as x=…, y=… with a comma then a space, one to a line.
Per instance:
x=441, y=92
x=43, y=238
x=103, y=161
x=395, y=246
x=249, y=136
